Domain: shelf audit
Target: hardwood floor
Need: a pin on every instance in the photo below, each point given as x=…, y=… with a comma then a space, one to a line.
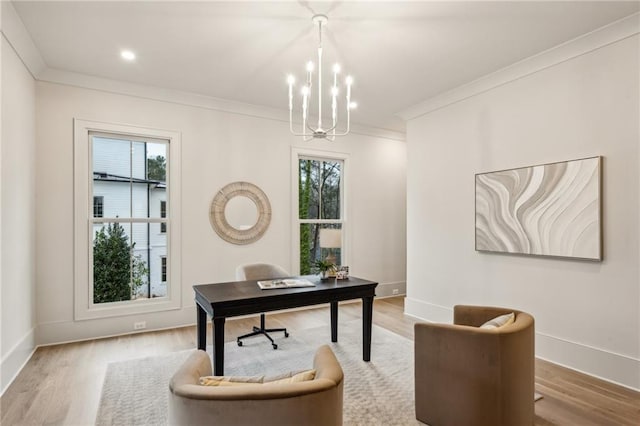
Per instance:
x=62, y=384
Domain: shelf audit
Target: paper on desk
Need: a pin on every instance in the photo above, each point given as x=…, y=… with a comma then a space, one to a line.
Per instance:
x=285, y=283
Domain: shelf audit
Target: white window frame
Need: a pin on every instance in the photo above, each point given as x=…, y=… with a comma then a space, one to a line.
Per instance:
x=319, y=155
x=84, y=308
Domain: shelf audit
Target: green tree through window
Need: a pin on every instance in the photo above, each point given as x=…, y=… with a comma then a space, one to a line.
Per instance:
x=304, y=188
x=319, y=206
x=117, y=273
x=157, y=168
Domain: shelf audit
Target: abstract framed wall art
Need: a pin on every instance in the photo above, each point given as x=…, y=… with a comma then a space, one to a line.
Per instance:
x=552, y=209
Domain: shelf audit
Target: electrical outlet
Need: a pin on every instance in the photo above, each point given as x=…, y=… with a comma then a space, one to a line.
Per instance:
x=140, y=325
x=395, y=291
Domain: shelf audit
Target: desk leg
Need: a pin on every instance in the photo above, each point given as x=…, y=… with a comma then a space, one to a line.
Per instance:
x=202, y=328
x=367, y=317
x=334, y=321
x=218, y=346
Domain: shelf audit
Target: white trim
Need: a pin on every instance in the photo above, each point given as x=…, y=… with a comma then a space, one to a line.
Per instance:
x=15, y=359
x=19, y=38
x=622, y=370
x=83, y=307
x=191, y=99
x=386, y=289
x=297, y=152
x=601, y=37
x=428, y=311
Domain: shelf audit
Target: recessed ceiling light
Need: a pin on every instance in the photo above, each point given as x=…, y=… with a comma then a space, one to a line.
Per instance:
x=128, y=55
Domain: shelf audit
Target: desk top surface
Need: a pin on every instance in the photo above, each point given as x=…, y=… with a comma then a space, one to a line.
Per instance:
x=246, y=290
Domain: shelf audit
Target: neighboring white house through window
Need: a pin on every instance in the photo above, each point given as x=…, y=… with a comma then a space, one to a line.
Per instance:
x=126, y=189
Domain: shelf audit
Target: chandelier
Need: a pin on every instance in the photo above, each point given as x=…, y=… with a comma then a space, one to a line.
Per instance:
x=320, y=132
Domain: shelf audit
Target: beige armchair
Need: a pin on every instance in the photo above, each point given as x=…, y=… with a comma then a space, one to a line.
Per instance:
x=465, y=375
x=315, y=402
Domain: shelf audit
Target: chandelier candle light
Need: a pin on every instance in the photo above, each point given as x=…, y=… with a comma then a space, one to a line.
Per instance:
x=320, y=132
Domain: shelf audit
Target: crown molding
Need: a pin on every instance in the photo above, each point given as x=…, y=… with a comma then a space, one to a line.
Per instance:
x=601, y=37
x=179, y=97
x=18, y=37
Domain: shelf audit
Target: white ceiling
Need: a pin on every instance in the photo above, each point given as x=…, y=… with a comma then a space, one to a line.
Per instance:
x=400, y=53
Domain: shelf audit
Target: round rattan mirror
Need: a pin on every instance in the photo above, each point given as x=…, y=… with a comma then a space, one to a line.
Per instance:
x=246, y=234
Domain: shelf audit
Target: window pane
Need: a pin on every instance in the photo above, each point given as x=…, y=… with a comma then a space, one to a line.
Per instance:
x=148, y=185
x=112, y=262
x=157, y=162
x=311, y=250
x=140, y=195
x=330, y=184
x=141, y=273
x=308, y=189
x=319, y=189
x=156, y=179
x=112, y=175
x=157, y=255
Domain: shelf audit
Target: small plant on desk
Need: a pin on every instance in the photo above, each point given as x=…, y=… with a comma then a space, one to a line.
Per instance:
x=325, y=267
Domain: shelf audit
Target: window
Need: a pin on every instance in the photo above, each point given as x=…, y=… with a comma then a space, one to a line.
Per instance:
x=320, y=220
x=122, y=245
x=122, y=262
x=98, y=206
x=163, y=214
x=163, y=260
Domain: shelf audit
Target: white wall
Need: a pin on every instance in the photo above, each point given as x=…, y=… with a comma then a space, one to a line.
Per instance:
x=18, y=252
x=217, y=148
x=587, y=313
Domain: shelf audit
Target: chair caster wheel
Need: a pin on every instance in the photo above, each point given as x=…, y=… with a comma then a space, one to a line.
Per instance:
x=239, y=343
x=274, y=346
x=286, y=334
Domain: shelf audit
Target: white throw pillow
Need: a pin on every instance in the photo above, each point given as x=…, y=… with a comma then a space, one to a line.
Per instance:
x=500, y=321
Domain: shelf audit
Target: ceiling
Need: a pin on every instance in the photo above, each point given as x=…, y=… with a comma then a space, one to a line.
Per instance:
x=399, y=52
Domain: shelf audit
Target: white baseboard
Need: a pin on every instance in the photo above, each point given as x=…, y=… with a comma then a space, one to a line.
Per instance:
x=13, y=362
x=60, y=332
x=427, y=311
x=605, y=365
x=391, y=289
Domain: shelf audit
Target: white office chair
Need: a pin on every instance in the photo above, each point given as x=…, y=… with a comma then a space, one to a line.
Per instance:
x=261, y=271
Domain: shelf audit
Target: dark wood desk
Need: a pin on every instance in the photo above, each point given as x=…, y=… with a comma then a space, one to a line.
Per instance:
x=231, y=299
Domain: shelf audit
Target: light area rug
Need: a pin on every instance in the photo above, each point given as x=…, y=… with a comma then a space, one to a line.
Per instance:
x=379, y=392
